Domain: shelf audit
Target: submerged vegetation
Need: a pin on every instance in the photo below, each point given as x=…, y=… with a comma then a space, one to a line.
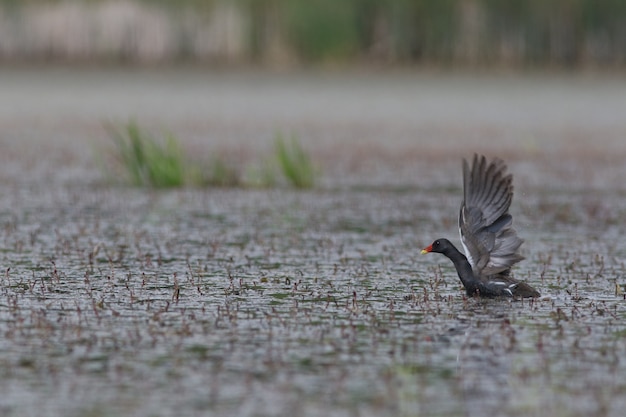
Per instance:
x=248, y=306
x=149, y=162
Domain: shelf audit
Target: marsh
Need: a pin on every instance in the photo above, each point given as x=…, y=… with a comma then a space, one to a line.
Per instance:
x=119, y=300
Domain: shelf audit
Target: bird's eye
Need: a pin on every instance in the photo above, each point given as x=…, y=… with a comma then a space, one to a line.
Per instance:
x=436, y=243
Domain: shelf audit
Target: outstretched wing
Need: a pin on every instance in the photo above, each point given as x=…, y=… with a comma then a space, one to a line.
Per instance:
x=485, y=225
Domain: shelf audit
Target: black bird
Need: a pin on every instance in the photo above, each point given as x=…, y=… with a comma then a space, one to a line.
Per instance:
x=487, y=235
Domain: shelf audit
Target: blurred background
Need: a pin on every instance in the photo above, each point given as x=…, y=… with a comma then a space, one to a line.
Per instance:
x=371, y=88
x=278, y=33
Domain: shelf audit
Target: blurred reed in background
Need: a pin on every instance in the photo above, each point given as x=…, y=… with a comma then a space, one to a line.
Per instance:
x=509, y=33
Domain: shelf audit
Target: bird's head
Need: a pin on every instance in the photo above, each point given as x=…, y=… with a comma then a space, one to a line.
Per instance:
x=439, y=246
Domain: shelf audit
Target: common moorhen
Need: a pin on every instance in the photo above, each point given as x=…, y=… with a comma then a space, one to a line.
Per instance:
x=487, y=235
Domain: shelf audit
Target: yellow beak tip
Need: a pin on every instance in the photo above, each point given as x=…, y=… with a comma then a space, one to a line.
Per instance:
x=424, y=251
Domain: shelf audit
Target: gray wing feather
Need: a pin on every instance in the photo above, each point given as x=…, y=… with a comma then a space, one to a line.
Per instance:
x=485, y=225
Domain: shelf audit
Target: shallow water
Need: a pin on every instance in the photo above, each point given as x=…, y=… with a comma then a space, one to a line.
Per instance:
x=264, y=302
x=122, y=301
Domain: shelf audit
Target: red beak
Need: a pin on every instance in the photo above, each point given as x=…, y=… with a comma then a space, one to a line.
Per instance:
x=427, y=249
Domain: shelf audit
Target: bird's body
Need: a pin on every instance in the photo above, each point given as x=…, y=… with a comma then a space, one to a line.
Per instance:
x=488, y=238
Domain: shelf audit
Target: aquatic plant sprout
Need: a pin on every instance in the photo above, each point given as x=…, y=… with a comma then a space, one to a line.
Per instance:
x=147, y=161
x=294, y=162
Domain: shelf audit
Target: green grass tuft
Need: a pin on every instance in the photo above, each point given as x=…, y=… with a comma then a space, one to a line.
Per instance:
x=147, y=161
x=294, y=162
